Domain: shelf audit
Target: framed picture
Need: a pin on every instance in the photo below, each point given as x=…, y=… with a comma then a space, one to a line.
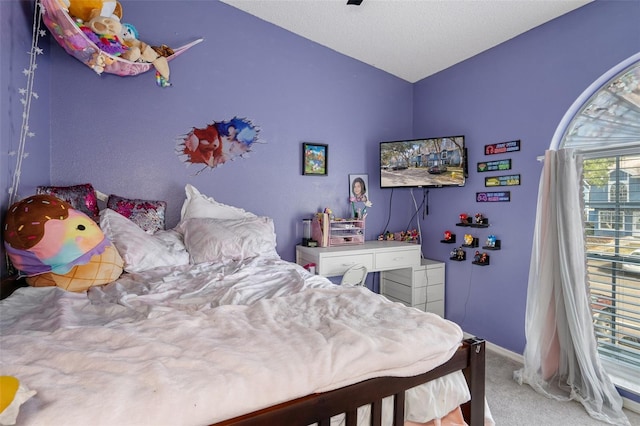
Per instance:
x=358, y=185
x=315, y=159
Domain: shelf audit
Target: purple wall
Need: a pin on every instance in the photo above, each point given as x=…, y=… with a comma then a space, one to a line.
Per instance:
x=518, y=90
x=120, y=133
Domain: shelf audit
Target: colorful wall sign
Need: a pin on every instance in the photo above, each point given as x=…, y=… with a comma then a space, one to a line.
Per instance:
x=507, y=180
x=493, y=197
x=494, y=166
x=502, y=147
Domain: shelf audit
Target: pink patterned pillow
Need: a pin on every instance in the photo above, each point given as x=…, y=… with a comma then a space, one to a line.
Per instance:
x=147, y=214
x=81, y=197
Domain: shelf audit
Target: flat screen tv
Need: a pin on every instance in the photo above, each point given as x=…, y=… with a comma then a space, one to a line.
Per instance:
x=432, y=162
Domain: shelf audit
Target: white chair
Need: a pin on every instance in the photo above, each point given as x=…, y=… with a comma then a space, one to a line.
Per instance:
x=355, y=275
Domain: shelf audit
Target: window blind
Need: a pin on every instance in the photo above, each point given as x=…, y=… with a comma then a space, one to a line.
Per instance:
x=611, y=192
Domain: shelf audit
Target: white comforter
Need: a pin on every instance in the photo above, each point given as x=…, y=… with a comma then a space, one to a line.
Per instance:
x=201, y=343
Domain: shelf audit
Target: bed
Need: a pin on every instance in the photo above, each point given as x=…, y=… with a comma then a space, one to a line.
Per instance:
x=208, y=325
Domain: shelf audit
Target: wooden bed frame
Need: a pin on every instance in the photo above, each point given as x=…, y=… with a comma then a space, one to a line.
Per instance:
x=319, y=408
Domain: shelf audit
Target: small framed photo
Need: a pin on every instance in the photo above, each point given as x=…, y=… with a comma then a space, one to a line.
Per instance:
x=315, y=159
x=358, y=185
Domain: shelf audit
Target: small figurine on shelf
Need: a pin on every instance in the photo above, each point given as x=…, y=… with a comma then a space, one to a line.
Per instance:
x=460, y=254
x=479, y=218
x=491, y=241
x=464, y=218
x=453, y=254
x=447, y=235
x=484, y=258
x=468, y=239
x=477, y=256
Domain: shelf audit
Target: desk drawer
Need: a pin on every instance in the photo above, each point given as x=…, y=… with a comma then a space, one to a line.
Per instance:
x=436, y=307
x=435, y=292
x=397, y=259
x=428, y=277
x=404, y=293
x=336, y=265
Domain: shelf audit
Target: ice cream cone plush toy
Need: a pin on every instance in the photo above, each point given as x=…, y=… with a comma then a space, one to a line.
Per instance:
x=52, y=244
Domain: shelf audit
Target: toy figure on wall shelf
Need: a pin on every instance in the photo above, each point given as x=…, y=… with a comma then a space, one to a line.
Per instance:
x=492, y=243
x=480, y=221
x=449, y=237
x=458, y=254
x=464, y=219
x=470, y=241
x=481, y=259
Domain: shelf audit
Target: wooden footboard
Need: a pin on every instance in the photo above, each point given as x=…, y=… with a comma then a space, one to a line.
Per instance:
x=319, y=408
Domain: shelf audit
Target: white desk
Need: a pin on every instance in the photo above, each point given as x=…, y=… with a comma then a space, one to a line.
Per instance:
x=375, y=255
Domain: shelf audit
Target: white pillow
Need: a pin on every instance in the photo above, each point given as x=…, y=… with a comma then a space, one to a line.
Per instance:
x=215, y=240
x=199, y=205
x=139, y=250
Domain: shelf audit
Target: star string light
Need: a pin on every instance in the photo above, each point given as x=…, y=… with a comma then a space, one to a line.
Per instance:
x=27, y=96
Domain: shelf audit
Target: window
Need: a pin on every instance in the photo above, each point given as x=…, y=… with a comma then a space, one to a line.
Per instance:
x=606, y=219
x=618, y=191
x=604, y=129
x=613, y=264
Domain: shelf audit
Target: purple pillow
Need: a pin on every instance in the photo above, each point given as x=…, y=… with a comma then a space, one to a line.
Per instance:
x=81, y=197
x=147, y=214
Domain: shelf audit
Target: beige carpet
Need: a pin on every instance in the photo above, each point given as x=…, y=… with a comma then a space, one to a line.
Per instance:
x=518, y=405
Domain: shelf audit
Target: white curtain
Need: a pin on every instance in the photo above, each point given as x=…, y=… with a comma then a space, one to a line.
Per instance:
x=560, y=357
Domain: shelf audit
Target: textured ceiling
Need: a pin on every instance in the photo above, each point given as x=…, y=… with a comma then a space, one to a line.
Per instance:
x=411, y=39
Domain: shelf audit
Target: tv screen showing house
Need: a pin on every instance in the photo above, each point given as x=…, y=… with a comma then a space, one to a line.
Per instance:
x=432, y=162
